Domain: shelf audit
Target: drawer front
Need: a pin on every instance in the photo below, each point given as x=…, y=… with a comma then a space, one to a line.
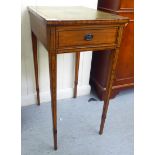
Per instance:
x=84, y=37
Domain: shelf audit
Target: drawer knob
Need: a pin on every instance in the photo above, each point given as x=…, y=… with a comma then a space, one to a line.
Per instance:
x=88, y=37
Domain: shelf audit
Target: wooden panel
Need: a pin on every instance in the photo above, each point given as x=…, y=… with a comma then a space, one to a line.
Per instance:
x=110, y=4
x=115, y=5
x=126, y=57
x=127, y=4
x=41, y=30
x=69, y=38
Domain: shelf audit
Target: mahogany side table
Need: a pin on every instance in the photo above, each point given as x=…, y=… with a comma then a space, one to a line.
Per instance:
x=74, y=29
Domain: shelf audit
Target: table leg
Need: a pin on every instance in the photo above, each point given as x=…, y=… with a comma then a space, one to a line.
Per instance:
x=77, y=59
x=35, y=59
x=53, y=88
x=111, y=75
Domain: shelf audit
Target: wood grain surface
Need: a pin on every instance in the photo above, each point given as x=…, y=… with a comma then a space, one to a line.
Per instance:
x=74, y=15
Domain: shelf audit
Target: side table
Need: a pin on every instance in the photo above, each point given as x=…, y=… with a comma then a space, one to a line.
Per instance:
x=74, y=29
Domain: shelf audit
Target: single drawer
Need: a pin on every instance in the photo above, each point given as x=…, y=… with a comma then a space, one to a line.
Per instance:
x=86, y=36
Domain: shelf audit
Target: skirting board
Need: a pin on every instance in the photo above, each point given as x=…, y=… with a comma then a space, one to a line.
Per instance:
x=61, y=94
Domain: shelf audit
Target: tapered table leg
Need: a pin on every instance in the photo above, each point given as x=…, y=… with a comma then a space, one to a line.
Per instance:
x=53, y=88
x=77, y=59
x=111, y=75
x=35, y=59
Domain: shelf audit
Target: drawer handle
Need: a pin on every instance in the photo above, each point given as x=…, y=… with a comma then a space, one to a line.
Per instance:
x=88, y=37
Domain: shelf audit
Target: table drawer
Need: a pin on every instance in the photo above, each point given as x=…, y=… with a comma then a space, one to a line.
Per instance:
x=84, y=37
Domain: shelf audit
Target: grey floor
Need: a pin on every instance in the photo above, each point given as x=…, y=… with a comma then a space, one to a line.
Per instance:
x=78, y=125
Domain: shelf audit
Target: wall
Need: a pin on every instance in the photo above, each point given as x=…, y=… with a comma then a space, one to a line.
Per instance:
x=65, y=62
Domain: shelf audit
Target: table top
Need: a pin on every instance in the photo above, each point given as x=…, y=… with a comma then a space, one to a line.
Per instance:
x=76, y=14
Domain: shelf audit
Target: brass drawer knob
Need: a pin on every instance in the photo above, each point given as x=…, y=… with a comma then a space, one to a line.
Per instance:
x=88, y=37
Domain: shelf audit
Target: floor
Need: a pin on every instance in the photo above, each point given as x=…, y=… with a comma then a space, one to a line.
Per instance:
x=78, y=126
